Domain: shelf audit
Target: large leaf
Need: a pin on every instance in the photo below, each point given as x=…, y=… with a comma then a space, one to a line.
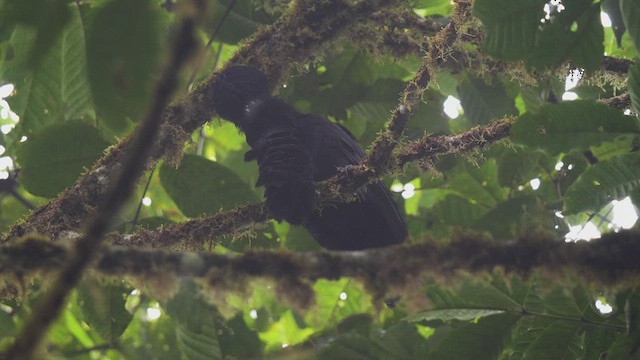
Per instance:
x=122, y=49
x=576, y=35
x=611, y=179
x=54, y=157
x=57, y=88
x=631, y=16
x=196, y=334
x=47, y=18
x=572, y=125
x=511, y=26
x=200, y=186
x=558, y=341
x=483, y=103
x=481, y=340
x=103, y=307
x=519, y=30
x=456, y=210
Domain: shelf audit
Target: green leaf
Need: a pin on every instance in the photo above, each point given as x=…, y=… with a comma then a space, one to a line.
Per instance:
x=633, y=83
x=402, y=341
x=487, y=295
x=462, y=314
x=122, y=48
x=478, y=341
x=47, y=18
x=483, y=103
x=55, y=90
x=53, y=157
x=575, y=35
x=557, y=341
x=611, y=179
x=516, y=30
x=200, y=186
x=237, y=340
x=511, y=26
x=196, y=334
x=242, y=21
x=504, y=219
x=102, y=304
x=456, y=210
x=572, y=125
x=516, y=166
x=631, y=16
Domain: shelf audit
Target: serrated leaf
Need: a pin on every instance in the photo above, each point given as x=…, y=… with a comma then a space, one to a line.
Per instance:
x=103, y=306
x=478, y=341
x=611, y=179
x=517, y=166
x=200, y=186
x=504, y=219
x=557, y=341
x=483, y=103
x=633, y=83
x=486, y=295
x=123, y=50
x=55, y=90
x=462, y=314
x=54, y=157
x=572, y=125
x=198, y=346
x=631, y=16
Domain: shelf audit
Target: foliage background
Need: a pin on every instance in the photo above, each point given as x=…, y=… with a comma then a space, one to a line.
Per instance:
x=83, y=72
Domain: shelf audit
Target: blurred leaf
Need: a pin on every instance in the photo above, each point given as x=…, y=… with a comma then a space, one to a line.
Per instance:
x=572, y=125
x=483, y=103
x=558, y=341
x=102, y=304
x=631, y=16
x=403, y=341
x=633, y=82
x=481, y=340
x=503, y=220
x=456, y=210
x=55, y=90
x=612, y=8
x=237, y=340
x=200, y=186
x=517, y=166
x=46, y=18
x=123, y=48
x=53, y=157
x=611, y=179
x=196, y=333
x=242, y=21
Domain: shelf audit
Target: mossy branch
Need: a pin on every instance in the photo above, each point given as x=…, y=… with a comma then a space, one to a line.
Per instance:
x=609, y=260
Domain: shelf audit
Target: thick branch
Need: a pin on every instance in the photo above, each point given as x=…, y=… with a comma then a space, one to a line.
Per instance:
x=609, y=260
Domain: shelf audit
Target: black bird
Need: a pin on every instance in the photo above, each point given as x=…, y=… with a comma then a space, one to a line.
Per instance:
x=293, y=151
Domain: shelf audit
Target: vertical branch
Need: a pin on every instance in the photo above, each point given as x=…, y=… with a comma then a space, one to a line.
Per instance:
x=85, y=250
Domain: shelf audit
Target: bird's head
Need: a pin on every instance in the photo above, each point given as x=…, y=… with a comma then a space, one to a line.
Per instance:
x=236, y=88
